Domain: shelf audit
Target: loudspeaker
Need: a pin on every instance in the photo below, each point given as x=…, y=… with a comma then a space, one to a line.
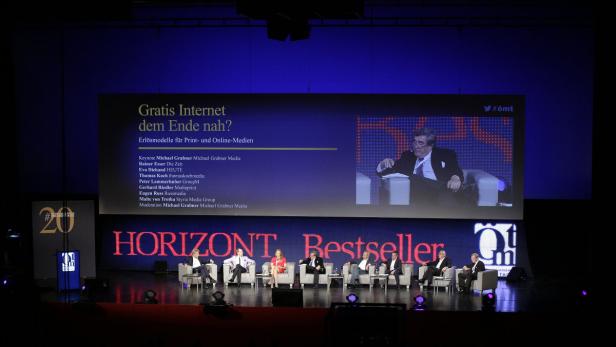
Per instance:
x=160, y=267
x=516, y=274
x=287, y=297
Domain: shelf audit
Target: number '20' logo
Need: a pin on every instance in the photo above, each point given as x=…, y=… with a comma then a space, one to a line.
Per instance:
x=53, y=220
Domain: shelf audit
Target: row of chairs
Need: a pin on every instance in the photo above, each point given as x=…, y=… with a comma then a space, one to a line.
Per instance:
x=486, y=280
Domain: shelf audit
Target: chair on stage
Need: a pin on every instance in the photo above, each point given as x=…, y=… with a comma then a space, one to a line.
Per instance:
x=288, y=277
x=405, y=276
x=185, y=269
x=363, y=278
x=362, y=189
x=486, y=280
x=487, y=186
x=246, y=277
x=396, y=190
x=306, y=278
x=447, y=280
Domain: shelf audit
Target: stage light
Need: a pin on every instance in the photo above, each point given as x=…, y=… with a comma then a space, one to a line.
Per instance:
x=5, y=282
x=352, y=298
x=488, y=301
x=12, y=233
x=420, y=303
x=219, y=307
x=584, y=299
x=219, y=298
x=149, y=297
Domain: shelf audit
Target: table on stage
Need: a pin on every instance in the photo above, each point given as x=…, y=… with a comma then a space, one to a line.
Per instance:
x=263, y=277
x=334, y=276
x=188, y=279
x=379, y=277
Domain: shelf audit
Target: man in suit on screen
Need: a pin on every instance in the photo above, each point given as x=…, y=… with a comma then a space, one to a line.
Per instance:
x=434, y=172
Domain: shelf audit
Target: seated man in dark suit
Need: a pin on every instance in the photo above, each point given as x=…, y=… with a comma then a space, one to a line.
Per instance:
x=198, y=265
x=469, y=273
x=437, y=267
x=434, y=172
x=393, y=266
x=360, y=267
x=314, y=266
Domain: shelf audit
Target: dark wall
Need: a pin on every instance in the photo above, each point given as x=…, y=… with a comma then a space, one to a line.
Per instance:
x=551, y=65
x=560, y=237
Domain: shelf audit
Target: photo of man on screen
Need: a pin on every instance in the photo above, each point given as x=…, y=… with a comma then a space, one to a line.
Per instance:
x=436, y=177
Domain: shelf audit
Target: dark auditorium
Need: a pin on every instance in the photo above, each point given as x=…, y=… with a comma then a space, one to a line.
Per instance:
x=309, y=173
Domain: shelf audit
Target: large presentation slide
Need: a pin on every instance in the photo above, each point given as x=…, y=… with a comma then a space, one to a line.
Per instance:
x=331, y=155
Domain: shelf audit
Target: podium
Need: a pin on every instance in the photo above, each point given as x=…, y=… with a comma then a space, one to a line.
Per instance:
x=67, y=269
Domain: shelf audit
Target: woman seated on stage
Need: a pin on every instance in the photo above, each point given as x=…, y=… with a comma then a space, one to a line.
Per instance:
x=279, y=265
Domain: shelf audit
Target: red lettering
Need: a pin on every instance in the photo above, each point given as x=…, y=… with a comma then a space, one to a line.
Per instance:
x=168, y=244
x=154, y=238
x=229, y=249
x=409, y=246
x=266, y=237
x=331, y=247
x=435, y=249
x=201, y=240
x=308, y=247
x=347, y=250
x=183, y=238
x=130, y=242
x=387, y=247
x=418, y=251
x=373, y=251
x=359, y=244
x=247, y=250
x=400, y=247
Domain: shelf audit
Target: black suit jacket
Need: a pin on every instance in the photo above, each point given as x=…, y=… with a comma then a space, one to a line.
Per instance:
x=480, y=266
x=444, y=163
x=446, y=263
x=317, y=261
x=397, y=265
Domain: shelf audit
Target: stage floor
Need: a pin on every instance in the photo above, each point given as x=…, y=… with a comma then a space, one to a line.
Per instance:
x=128, y=287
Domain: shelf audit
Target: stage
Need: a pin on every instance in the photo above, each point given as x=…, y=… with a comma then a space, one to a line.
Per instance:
x=116, y=317
x=127, y=287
